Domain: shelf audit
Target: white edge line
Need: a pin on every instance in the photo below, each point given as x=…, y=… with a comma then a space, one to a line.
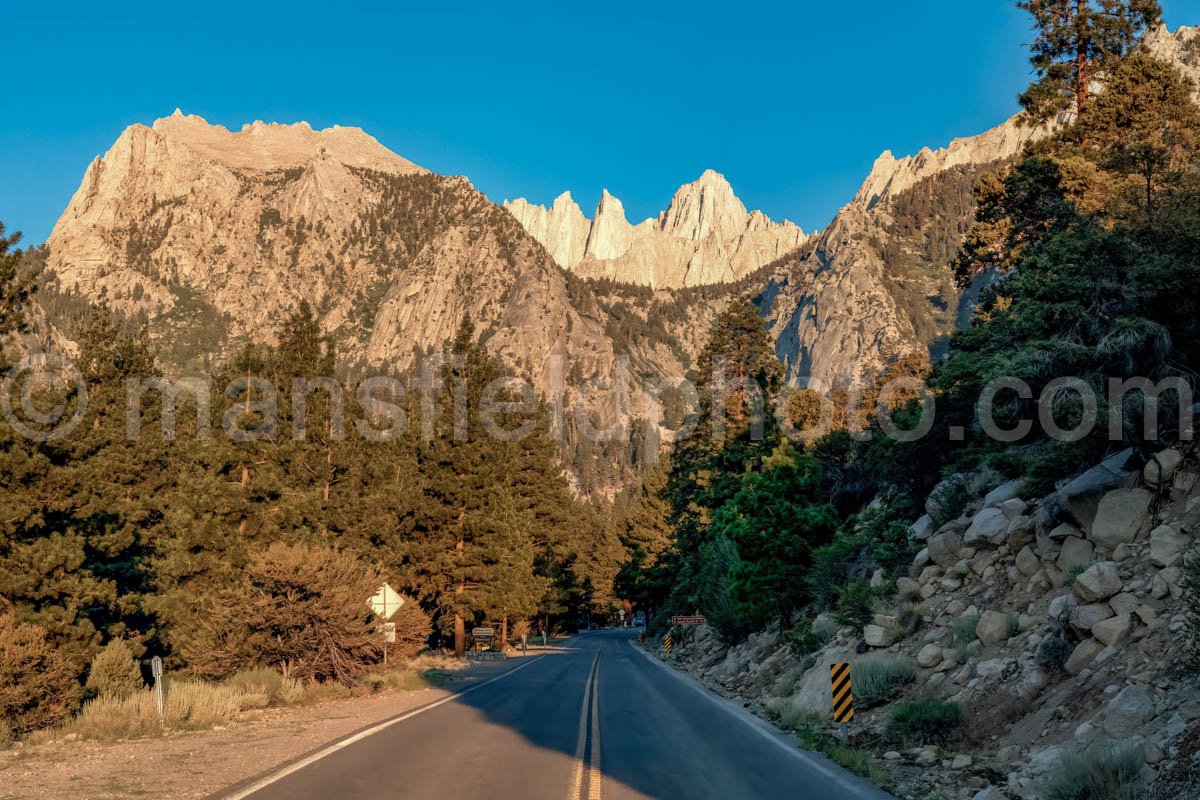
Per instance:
x=759, y=726
x=275, y=777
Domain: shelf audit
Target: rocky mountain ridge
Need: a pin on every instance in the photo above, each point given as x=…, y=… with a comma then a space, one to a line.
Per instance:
x=890, y=176
x=705, y=236
x=841, y=311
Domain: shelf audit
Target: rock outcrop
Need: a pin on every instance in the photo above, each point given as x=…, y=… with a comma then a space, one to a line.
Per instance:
x=705, y=236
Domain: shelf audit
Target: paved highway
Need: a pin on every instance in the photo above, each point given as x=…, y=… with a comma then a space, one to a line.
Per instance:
x=597, y=719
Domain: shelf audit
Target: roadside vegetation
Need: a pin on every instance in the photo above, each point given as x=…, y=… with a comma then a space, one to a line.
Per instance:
x=228, y=554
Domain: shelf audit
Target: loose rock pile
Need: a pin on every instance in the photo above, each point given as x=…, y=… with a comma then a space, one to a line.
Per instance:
x=1074, y=604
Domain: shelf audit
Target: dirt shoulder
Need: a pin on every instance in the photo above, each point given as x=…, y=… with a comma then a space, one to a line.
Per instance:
x=197, y=764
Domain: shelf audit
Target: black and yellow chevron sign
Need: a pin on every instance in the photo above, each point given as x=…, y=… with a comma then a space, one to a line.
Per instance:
x=667, y=643
x=843, y=694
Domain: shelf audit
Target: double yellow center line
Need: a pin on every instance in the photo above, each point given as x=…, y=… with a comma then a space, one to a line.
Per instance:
x=587, y=761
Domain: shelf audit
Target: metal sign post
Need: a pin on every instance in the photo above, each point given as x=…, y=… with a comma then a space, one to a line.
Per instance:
x=156, y=669
x=385, y=603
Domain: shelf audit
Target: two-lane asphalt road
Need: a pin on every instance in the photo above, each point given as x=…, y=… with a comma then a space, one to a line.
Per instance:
x=596, y=720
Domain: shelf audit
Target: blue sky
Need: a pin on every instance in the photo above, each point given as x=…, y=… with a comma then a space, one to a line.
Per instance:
x=791, y=101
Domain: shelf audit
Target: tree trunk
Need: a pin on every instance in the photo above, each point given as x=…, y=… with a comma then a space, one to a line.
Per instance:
x=1082, y=79
x=1150, y=199
x=460, y=636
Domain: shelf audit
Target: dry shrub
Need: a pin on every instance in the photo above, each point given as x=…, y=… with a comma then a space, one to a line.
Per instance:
x=265, y=688
x=187, y=706
x=38, y=686
x=115, y=671
x=520, y=629
x=300, y=609
x=413, y=629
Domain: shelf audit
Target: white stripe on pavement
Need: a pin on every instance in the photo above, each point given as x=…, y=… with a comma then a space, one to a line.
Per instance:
x=358, y=737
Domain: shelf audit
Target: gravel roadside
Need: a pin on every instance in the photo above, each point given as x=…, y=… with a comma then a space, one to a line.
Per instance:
x=197, y=764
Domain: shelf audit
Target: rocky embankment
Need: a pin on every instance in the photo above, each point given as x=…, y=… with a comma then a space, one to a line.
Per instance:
x=1056, y=624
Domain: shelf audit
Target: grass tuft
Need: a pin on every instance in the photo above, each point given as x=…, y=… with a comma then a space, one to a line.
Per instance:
x=1100, y=773
x=924, y=721
x=876, y=679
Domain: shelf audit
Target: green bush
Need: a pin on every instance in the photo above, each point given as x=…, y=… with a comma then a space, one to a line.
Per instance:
x=38, y=685
x=878, y=678
x=804, y=638
x=1099, y=773
x=964, y=630
x=950, y=498
x=115, y=671
x=856, y=603
x=924, y=721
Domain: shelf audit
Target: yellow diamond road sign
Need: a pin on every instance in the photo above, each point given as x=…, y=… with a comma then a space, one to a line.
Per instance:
x=385, y=602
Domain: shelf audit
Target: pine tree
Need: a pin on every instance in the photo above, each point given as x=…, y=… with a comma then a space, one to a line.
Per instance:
x=647, y=528
x=738, y=377
x=1146, y=126
x=15, y=289
x=777, y=522
x=1079, y=42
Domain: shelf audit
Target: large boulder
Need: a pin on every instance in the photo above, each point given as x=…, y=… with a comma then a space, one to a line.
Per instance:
x=1061, y=607
x=922, y=529
x=879, y=636
x=1022, y=531
x=930, y=656
x=944, y=549
x=1128, y=712
x=1079, y=499
x=990, y=526
x=1122, y=517
x=1098, y=582
x=1014, y=508
x=1167, y=546
x=1084, y=654
x=1028, y=562
x=1114, y=630
x=1084, y=618
x=992, y=628
x=990, y=793
x=1161, y=467
x=1003, y=493
x=814, y=695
